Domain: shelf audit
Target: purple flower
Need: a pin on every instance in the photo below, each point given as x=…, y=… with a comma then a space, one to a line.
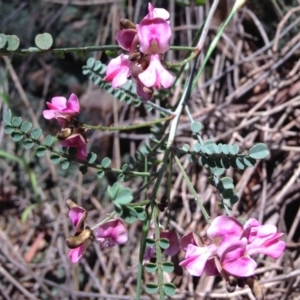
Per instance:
x=232, y=244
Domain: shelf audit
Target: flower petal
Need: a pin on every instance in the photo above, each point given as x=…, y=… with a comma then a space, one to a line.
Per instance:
x=76, y=254
x=235, y=261
x=187, y=239
x=224, y=230
x=77, y=215
x=125, y=38
x=156, y=75
x=113, y=229
x=154, y=36
x=196, y=258
x=73, y=104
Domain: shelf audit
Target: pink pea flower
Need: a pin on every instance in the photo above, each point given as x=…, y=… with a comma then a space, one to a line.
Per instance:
x=76, y=254
x=154, y=36
x=156, y=75
x=157, y=13
x=111, y=233
x=232, y=244
x=61, y=108
x=76, y=140
x=118, y=70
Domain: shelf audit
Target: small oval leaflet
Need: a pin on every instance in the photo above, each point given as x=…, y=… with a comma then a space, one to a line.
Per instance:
x=41, y=151
x=28, y=144
x=36, y=133
x=196, y=127
x=105, y=163
x=26, y=126
x=167, y=266
x=164, y=243
x=44, y=41
x=13, y=43
x=259, y=151
x=151, y=288
x=16, y=121
x=3, y=40
x=151, y=267
x=55, y=158
x=169, y=289
x=17, y=135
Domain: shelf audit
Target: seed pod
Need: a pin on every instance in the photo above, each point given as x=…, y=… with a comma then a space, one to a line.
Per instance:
x=76, y=241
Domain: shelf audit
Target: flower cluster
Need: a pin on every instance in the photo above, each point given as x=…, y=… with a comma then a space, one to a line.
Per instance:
x=231, y=247
x=108, y=234
x=71, y=134
x=146, y=43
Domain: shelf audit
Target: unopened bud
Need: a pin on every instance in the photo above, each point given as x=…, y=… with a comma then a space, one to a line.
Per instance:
x=255, y=288
x=127, y=24
x=70, y=203
x=238, y=4
x=76, y=241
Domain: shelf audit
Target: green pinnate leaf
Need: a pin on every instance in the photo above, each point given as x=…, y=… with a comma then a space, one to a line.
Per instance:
x=100, y=174
x=7, y=117
x=249, y=161
x=227, y=193
x=40, y=151
x=28, y=143
x=129, y=214
x=151, y=288
x=240, y=163
x=233, y=149
x=55, y=158
x=217, y=171
x=13, y=43
x=65, y=164
x=36, y=133
x=91, y=158
x=44, y=41
x=124, y=196
x=17, y=135
x=49, y=140
x=226, y=183
x=105, y=163
x=168, y=267
x=26, y=126
x=197, y=147
x=164, y=243
x=196, y=127
x=113, y=190
x=169, y=289
x=224, y=149
x=185, y=148
x=150, y=242
x=90, y=62
x=151, y=267
x=141, y=214
x=16, y=121
x=259, y=151
x=3, y=40
x=8, y=129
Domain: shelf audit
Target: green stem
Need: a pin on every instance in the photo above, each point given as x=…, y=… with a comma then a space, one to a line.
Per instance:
x=110, y=216
x=79, y=49
x=192, y=190
x=130, y=127
x=158, y=251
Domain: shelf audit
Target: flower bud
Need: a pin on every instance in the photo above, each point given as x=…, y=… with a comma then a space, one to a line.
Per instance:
x=127, y=24
x=255, y=288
